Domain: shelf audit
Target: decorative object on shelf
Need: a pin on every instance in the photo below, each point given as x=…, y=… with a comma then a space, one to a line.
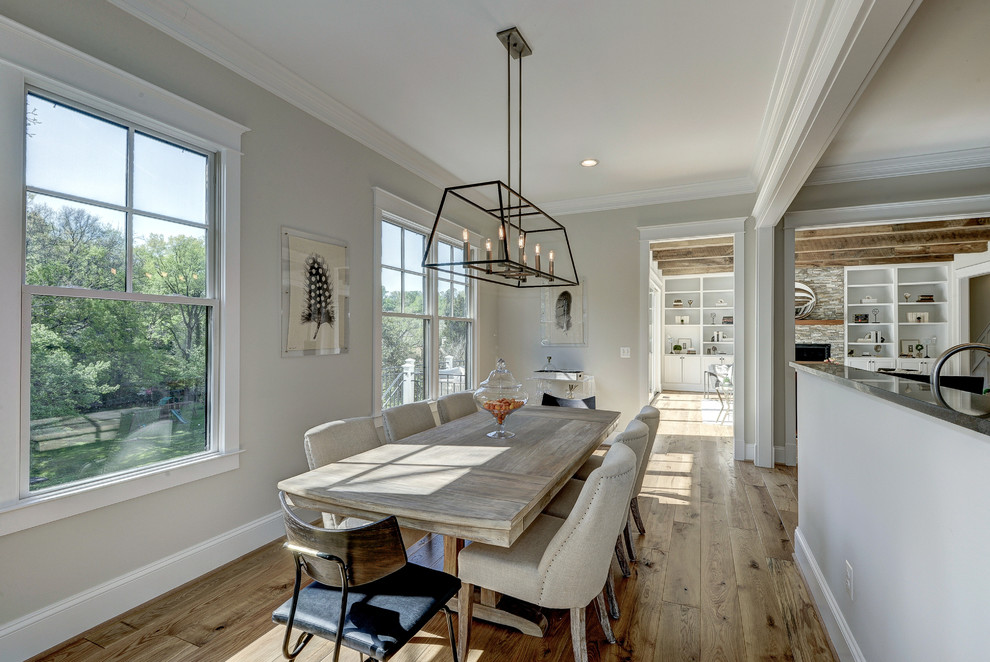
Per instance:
x=315, y=294
x=861, y=318
x=849, y=353
x=677, y=303
x=868, y=299
x=677, y=349
x=500, y=395
x=563, y=316
x=721, y=303
x=494, y=211
x=713, y=318
x=931, y=343
x=875, y=312
x=919, y=348
x=877, y=348
x=682, y=319
x=926, y=298
x=690, y=302
x=804, y=301
x=907, y=347
x=917, y=317
x=907, y=295
x=727, y=319
x=684, y=342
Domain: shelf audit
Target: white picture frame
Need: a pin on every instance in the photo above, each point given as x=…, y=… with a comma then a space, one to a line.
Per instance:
x=563, y=316
x=315, y=294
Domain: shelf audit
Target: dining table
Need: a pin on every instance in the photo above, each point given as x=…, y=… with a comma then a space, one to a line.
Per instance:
x=456, y=481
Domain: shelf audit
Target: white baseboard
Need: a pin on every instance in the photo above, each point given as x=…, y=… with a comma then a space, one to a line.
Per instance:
x=785, y=455
x=751, y=452
x=39, y=631
x=835, y=623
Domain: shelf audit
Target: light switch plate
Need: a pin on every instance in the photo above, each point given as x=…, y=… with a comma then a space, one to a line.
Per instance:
x=625, y=353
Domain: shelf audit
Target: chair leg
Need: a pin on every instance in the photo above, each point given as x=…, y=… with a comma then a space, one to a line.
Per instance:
x=578, y=640
x=450, y=632
x=603, y=618
x=620, y=556
x=465, y=605
x=627, y=535
x=613, y=603
x=634, y=507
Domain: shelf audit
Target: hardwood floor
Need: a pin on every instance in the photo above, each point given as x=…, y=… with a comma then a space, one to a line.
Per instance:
x=715, y=580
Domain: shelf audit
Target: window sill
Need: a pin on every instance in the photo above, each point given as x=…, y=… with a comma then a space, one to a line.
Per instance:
x=41, y=509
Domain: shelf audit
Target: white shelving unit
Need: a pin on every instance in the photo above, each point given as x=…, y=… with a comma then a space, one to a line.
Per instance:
x=698, y=314
x=895, y=302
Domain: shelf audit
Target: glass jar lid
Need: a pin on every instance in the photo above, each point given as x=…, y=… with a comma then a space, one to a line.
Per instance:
x=501, y=378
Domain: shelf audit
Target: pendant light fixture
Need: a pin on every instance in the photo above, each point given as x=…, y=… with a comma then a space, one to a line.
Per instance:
x=500, y=236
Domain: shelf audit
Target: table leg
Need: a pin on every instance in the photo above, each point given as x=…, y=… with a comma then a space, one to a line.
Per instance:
x=451, y=546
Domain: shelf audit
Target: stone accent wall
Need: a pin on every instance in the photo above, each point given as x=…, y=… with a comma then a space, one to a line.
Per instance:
x=828, y=284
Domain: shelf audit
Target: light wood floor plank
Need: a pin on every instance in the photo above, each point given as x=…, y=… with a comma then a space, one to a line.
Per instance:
x=721, y=620
x=682, y=584
x=772, y=532
x=762, y=624
x=681, y=626
x=804, y=629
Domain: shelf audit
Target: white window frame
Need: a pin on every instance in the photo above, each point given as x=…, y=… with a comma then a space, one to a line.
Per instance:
x=399, y=212
x=29, y=59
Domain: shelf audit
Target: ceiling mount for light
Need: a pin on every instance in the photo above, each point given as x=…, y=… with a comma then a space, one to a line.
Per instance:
x=589, y=163
x=512, y=241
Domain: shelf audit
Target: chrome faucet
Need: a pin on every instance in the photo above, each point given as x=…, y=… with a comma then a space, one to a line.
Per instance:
x=945, y=356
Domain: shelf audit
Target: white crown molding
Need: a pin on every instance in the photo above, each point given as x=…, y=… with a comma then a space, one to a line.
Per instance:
x=658, y=196
x=922, y=164
x=182, y=22
x=913, y=210
x=690, y=230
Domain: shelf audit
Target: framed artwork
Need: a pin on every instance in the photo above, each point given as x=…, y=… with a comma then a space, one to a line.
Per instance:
x=907, y=347
x=315, y=294
x=564, y=315
x=861, y=318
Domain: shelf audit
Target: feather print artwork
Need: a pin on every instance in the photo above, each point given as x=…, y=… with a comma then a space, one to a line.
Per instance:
x=318, y=304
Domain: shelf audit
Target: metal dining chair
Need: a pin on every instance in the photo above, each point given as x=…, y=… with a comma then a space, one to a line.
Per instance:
x=366, y=595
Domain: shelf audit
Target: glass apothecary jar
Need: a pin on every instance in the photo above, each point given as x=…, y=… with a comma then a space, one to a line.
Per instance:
x=500, y=395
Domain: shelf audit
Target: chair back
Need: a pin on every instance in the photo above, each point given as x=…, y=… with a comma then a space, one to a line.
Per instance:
x=367, y=552
x=650, y=416
x=406, y=420
x=337, y=440
x=637, y=437
x=554, y=401
x=456, y=405
x=577, y=559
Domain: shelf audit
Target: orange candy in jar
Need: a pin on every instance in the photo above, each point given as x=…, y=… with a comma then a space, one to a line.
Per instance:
x=502, y=407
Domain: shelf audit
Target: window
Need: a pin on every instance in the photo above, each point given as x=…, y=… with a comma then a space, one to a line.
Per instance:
x=117, y=271
x=427, y=318
x=123, y=210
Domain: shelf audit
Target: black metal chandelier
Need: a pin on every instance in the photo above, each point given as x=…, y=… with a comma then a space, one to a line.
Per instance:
x=504, y=238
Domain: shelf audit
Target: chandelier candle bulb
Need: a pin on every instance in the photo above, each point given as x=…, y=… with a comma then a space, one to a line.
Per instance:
x=467, y=245
x=522, y=247
x=551, y=264
x=501, y=242
x=536, y=252
x=488, y=255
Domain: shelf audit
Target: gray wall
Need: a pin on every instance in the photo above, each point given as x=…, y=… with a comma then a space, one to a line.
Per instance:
x=296, y=171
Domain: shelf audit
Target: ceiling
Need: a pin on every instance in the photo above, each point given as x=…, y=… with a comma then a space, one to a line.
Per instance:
x=678, y=100
x=888, y=243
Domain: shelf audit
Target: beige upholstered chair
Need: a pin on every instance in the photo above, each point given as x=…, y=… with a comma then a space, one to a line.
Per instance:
x=456, y=405
x=406, y=420
x=335, y=441
x=557, y=563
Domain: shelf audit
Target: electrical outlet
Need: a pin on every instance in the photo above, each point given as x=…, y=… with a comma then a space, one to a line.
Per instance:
x=849, y=581
x=625, y=353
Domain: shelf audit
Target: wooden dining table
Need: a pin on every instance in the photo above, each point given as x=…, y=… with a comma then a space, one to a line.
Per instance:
x=456, y=481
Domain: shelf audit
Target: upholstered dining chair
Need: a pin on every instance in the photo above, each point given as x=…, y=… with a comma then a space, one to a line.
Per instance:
x=338, y=440
x=557, y=563
x=366, y=595
x=406, y=420
x=456, y=405
x=577, y=403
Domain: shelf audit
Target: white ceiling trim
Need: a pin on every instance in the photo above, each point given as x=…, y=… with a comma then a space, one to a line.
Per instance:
x=924, y=164
x=667, y=194
x=693, y=229
x=189, y=26
x=856, y=38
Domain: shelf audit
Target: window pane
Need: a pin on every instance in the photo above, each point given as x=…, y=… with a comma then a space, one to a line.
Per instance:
x=459, y=301
x=169, y=180
x=74, y=245
x=445, y=305
x=413, y=297
x=415, y=246
x=391, y=291
x=391, y=245
x=169, y=258
x=403, y=360
x=453, y=359
x=71, y=152
x=457, y=255
x=115, y=385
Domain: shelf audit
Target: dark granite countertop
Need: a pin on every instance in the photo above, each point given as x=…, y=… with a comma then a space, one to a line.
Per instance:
x=968, y=410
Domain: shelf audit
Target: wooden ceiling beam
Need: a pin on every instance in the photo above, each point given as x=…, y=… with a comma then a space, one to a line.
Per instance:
x=853, y=262
x=892, y=251
x=725, y=263
x=691, y=243
x=700, y=253
x=696, y=270
x=891, y=239
x=860, y=230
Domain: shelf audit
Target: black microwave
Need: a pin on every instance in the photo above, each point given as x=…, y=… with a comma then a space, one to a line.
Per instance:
x=812, y=351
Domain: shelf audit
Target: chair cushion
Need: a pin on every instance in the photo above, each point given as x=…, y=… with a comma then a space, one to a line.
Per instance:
x=510, y=570
x=382, y=615
x=567, y=496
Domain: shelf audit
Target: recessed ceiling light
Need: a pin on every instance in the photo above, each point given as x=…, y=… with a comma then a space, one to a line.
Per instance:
x=589, y=163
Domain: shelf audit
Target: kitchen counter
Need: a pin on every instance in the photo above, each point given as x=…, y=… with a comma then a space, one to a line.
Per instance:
x=969, y=410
